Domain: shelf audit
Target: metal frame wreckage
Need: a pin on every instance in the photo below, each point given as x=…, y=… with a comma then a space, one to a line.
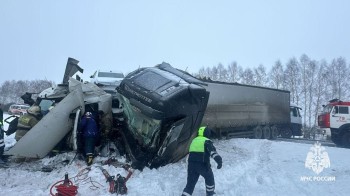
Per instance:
x=153, y=114
x=140, y=137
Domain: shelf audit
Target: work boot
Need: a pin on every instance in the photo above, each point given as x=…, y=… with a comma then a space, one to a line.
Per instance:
x=211, y=193
x=3, y=163
x=89, y=160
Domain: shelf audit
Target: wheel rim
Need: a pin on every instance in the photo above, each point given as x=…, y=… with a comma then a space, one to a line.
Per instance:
x=274, y=132
x=267, y=132
x=257, y=132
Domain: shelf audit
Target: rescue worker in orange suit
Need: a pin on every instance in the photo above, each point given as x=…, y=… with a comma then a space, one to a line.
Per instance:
x=90, y=133
x=201, y=149
x=28, y=121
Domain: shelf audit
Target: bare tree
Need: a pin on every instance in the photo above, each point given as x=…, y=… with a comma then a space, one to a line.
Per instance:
x=276, y=75
x=222, y=73
x=11, y=91
x=292, y=79
x=308, y=73
x=311, y=83
x=247, y=76
x=201, y=73
x=320, y=88
x=260, y=76
x=339, y=76
x=214, y=73
x=311, y=71
x=234, y=72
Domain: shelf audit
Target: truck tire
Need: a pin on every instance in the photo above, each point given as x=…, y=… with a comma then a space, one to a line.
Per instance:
x=286, y=133
x=336, y=139
x=266, y=132
x=258, y=132
x=346, y=140
x=274, y=132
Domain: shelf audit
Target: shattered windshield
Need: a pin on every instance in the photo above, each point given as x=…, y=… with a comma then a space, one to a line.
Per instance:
x=141, y=125
x=45, y=104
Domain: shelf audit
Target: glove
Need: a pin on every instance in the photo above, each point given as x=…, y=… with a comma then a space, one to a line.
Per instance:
x=218, y=160
x=219, y=166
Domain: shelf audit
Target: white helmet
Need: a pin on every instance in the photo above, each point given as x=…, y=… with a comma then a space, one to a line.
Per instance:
x=34, y=110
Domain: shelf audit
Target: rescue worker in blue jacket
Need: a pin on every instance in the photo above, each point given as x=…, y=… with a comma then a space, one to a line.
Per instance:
x=90, y=133
x=201, y=149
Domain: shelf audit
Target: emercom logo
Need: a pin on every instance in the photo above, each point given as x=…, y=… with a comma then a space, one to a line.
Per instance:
x=317, y=159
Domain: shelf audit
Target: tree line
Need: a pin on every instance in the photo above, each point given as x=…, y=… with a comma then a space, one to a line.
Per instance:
x=312, y=83
x=11, y=91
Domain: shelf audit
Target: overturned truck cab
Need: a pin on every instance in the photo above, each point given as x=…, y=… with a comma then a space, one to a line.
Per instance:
x=162, y=108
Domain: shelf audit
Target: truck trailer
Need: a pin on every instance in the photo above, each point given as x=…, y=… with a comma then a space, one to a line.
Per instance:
x=164, y=107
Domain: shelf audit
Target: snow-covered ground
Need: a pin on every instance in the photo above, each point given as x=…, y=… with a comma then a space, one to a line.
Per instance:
x=250, y=167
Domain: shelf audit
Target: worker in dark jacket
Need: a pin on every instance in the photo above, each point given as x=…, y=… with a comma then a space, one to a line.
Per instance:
x=201, y=149
x=90, y=133
x=2, y=142
x=28, y=121
x=1, y=114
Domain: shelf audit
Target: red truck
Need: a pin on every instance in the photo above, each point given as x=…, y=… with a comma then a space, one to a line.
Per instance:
x=336, y=116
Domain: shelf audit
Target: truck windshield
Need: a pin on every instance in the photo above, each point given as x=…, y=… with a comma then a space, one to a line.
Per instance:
x=327, y=109
x=140, y=125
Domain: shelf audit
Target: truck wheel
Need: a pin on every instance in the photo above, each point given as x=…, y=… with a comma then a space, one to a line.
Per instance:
x=346, y=140
x=336, y=139
x=258, y=132
x=286, y=133
x=266, y=132
x=274, y=132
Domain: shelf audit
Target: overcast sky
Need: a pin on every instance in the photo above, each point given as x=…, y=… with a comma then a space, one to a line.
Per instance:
x=37, y=37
